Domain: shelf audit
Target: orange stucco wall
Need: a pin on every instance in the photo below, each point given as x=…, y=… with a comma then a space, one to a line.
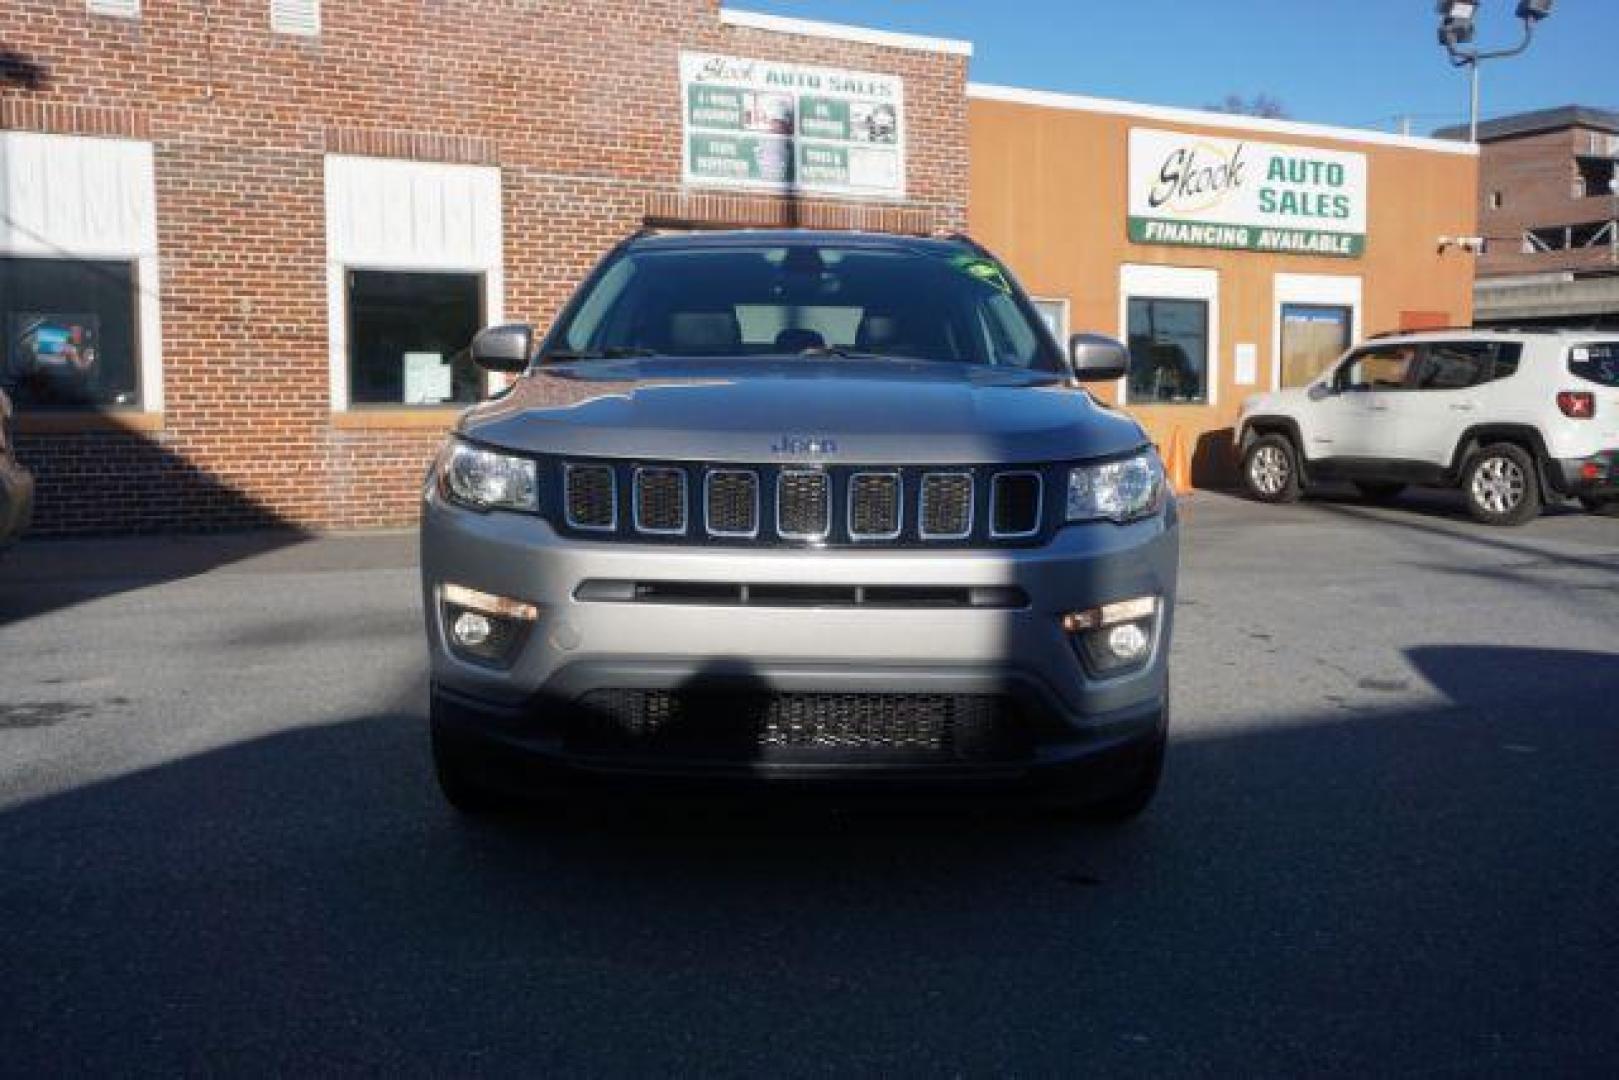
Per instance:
x=1048, y=195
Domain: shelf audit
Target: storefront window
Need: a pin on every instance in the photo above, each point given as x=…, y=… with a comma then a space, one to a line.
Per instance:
x=1313, y=336
x=1169, y=351
x=70, y=334
x=408, y=337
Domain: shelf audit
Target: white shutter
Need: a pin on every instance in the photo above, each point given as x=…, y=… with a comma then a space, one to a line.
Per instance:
x=295, y=17
x=126, y=9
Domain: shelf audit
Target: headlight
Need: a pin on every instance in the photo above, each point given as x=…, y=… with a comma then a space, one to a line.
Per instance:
x=1118, y=490
x=487, y=480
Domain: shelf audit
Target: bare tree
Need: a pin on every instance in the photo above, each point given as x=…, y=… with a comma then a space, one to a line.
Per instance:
x=1266, y=106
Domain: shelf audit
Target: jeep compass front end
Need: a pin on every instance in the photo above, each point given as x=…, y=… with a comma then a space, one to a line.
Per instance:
x=799, y=508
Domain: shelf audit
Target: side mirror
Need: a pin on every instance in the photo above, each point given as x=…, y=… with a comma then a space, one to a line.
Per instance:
x=504, y=348
x=1320, y=391
x=1096, y=358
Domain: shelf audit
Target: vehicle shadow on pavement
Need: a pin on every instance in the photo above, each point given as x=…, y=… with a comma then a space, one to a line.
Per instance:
x=1428, y=886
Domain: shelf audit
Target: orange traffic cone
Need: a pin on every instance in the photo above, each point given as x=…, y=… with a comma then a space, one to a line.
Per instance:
x=1179, y=463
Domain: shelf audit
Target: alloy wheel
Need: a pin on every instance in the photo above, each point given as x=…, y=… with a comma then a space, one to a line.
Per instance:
x=1269, y=469
x=1499, y=485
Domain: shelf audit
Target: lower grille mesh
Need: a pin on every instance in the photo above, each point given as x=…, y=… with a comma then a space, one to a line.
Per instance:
x=966, y=727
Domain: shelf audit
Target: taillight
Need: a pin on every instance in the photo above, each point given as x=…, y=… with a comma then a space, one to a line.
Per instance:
x=1577, y=405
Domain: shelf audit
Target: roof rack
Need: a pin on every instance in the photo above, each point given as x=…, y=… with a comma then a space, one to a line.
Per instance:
x=1467, y=329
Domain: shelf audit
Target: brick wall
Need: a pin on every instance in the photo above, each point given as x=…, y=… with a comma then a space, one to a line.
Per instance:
x=1534, y=176
x=576, y=102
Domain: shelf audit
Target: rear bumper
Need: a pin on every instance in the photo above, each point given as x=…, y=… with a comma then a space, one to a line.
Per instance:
x=1596, y=476
x=16, y=500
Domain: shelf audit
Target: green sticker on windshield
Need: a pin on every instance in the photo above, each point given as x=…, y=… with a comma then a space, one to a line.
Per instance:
x=985, y=270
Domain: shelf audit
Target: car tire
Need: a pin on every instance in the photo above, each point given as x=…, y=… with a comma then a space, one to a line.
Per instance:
x=1379, y=491
x=1270, y=470
x=1608, y=507
x=1502, y=486
x=460, y=781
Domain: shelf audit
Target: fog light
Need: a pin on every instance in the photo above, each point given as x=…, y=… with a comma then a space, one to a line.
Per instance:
x=483, y=627
x=1128, y=642
x=1114, y=638
x=472, y=629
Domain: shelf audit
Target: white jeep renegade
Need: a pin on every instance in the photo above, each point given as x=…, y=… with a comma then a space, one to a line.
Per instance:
x=1511, y=417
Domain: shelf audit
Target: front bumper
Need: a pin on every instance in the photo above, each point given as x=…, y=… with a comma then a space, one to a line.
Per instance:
x=1073, y=721
x=1596, y=476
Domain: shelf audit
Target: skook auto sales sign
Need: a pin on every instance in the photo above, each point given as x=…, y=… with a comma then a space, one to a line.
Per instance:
x=1202, y=191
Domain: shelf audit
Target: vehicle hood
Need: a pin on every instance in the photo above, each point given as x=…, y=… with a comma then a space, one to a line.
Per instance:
x=836, y=410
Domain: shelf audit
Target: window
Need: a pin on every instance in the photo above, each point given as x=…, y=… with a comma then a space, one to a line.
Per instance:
x=1457, y=365
x=1313, y=337
x=70, y=331
x=1385, y=367
x=1054, y=313
x=941, y=302
x=1169, y=350
x=295, y=17
x=1496, y=200
x=1598, y=363
x=408, y=337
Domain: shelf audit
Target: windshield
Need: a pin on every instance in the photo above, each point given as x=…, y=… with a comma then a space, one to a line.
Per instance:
x=806, y=301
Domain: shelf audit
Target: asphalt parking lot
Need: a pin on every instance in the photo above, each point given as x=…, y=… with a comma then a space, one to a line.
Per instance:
x=1388, y=840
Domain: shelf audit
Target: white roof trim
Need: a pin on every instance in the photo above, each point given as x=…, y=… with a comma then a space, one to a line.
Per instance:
x=782, y=24
x=1170, y=114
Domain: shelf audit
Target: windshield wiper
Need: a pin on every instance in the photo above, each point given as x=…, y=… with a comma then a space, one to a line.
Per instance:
x=842, y=353
x=617, y=352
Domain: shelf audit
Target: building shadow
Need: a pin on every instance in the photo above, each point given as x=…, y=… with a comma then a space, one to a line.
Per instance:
x=1425, y=885
x=1214, y=462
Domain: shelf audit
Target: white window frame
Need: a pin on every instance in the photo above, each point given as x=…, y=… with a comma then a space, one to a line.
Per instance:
x=54, y=217
x=1066, y=322
x=1139, y=281
x=1336, y=290
x=351, y=179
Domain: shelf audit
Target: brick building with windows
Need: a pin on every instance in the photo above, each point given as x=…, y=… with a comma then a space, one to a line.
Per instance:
x=244, y=242
x=1549, y=211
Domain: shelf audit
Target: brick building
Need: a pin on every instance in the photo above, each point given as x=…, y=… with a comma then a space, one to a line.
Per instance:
x=193, y=159
x=1549, y=208
x=244, y=242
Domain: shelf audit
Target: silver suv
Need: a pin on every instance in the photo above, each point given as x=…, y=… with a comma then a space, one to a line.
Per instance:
x=803, y=508
x=1512, y=418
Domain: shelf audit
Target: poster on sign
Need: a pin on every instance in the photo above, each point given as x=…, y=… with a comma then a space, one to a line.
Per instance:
x=764, y=125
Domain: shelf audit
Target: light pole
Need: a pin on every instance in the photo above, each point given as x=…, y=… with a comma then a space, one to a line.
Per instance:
x=1457, y=28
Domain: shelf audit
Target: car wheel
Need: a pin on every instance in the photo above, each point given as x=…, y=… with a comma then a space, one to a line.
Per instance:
x=1378, y=490
x=460, y=781
x=1500, y=485
x=1270, y=470
x=1608, y=507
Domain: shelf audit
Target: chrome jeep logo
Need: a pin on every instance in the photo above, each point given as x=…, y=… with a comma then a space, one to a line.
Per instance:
x=804, y=444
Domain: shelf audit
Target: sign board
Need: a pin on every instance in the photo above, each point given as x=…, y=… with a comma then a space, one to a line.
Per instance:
x=762, y=125
x=427, y=379
x=1202, y=191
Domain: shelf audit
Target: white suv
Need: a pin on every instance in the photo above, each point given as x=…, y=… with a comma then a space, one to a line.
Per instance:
x=1510, y=417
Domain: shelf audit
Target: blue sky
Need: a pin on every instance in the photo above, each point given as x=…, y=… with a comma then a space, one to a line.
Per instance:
x=1354, y=62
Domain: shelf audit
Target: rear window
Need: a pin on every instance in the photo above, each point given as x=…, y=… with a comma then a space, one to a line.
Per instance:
x=1598, y=363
